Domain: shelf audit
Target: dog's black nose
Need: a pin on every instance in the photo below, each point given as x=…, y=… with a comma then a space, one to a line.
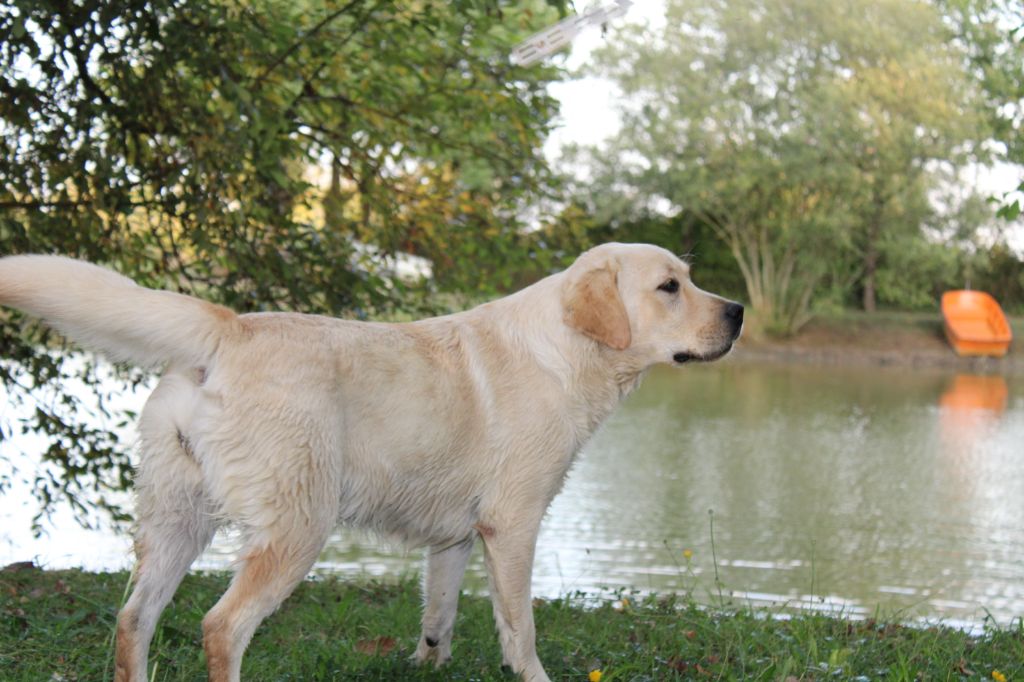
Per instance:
x=734, y=312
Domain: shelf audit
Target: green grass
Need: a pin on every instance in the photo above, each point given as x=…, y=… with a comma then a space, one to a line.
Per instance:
x=58, y=625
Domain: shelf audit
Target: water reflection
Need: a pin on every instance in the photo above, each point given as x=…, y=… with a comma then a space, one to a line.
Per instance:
x=969, y=394
x=970, y=410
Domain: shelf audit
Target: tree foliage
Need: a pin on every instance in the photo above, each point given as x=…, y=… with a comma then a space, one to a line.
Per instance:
x=992, y=35
x=806, y=133
x=186, y=145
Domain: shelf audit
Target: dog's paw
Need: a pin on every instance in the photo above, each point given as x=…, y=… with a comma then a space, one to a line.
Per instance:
x=437, y=652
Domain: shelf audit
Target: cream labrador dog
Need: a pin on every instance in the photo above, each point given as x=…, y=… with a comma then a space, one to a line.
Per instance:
x=435, y=432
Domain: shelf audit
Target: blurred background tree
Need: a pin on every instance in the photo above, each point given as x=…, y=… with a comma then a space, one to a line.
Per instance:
x=808, y=136
x=991, y=33
x=240, y=152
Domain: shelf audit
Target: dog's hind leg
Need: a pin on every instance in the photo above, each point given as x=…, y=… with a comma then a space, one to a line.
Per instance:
x=270, y=569
x=286, y=510
x=174, y=525
x=445, y=568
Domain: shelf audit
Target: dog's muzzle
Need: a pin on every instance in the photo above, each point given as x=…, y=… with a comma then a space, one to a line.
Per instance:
x=733, y=314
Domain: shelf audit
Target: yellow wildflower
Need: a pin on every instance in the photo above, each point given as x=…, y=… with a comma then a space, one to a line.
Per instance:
x=687, y=554
x=998, y=676
x=595, y=676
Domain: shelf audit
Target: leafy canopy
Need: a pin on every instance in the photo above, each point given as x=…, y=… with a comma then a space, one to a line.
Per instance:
x=801, y=131
x=238, y=151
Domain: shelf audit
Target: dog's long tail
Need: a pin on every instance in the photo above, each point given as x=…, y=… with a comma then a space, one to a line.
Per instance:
x=106, y=312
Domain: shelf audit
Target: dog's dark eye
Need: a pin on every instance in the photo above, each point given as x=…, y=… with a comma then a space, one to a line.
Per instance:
x=670, y=286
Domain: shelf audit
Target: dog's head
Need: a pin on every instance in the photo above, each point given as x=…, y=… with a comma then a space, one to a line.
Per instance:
x=639, y=297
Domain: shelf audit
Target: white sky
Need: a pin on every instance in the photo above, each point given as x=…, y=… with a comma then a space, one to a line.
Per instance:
x=588, y=112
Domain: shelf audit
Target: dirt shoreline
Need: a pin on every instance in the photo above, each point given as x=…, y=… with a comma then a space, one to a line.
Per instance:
x=881, y=340
x=864, y=357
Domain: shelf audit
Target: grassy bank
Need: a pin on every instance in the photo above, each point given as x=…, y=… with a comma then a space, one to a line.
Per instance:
x=57, y=625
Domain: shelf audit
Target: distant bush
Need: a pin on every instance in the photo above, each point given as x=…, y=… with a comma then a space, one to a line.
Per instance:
x=1000, y=272
x=916, y=271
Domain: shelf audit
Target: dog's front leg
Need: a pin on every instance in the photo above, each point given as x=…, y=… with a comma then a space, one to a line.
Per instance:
x=508, y=552
x=446, y=566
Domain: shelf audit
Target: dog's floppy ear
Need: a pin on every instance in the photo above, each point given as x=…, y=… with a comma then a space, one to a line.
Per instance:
x=592, y=305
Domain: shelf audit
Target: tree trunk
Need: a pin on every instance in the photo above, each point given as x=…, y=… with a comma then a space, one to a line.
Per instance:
x=871, y=256
x=870, y=265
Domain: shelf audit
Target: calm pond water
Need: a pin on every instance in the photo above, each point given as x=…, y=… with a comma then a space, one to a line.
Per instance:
x=850, y=490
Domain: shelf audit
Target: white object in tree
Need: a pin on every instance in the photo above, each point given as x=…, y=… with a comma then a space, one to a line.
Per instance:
x=550, y=40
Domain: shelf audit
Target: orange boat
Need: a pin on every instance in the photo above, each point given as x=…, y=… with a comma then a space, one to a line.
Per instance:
x=975, y=324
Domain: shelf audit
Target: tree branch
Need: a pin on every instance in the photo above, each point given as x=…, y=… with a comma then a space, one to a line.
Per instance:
x=65, y=203
x=296, y=45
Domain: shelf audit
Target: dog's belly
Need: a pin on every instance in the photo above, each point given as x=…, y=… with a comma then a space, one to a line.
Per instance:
x=417, y=474
x=414, y=511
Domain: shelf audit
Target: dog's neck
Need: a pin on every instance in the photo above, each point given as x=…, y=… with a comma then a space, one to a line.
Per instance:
x=589, y=372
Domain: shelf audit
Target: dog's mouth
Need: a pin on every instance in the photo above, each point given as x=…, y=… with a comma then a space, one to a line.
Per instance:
x=736, y=316
x=684, y=357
